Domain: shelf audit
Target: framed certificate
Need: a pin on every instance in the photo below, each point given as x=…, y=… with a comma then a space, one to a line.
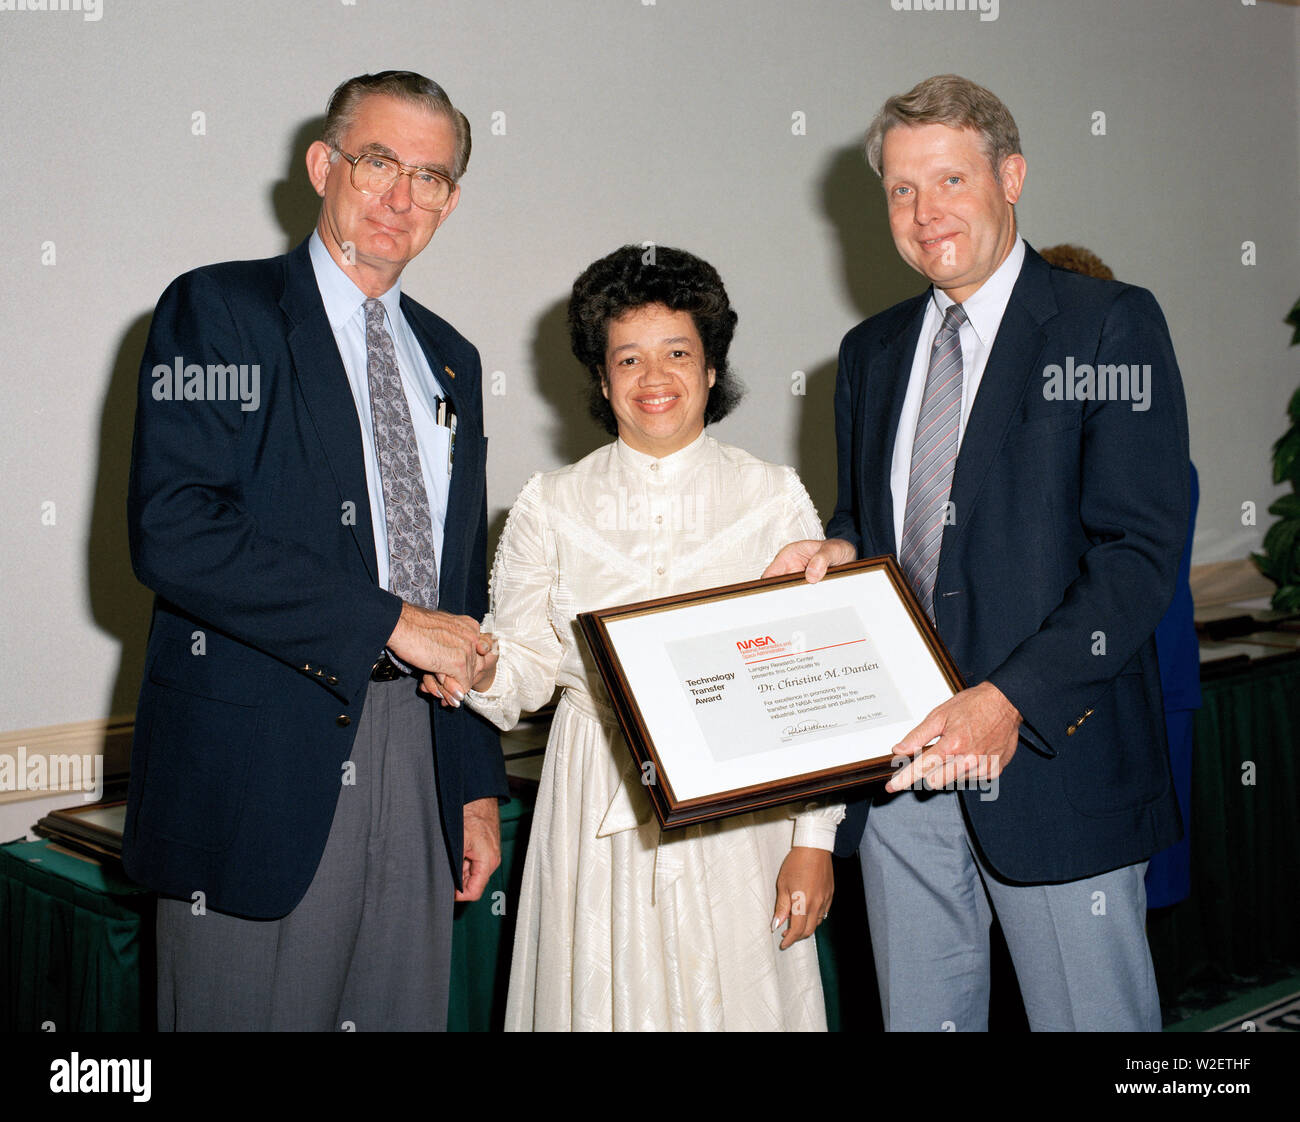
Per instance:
x=736, y=698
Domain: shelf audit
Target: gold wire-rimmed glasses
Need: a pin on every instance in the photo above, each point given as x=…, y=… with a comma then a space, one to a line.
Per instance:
x=373, y=174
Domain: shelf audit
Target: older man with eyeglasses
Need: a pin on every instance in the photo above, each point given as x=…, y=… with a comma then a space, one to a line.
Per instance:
x=306, y=816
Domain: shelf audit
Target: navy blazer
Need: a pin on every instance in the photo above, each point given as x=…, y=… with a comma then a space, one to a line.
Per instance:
x=253, y=527
x=1069, y=519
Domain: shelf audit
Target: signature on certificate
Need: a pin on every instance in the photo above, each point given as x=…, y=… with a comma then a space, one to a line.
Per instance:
x=804, y=726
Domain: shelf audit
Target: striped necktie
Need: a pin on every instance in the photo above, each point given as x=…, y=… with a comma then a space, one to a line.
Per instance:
x=934, y=452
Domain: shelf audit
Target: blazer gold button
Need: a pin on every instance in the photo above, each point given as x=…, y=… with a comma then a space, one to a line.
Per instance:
x=342, y=720
x=333, y=681
x=1070, y=730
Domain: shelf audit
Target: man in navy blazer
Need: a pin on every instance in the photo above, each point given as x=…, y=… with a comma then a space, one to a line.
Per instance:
x=305, y=813
x=1053, y=557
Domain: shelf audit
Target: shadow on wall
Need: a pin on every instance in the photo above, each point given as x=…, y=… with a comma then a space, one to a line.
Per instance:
x=563, y=382
x=874, y=278
x=293, y=199
x=495, y=528
x=120, y=605
x=871, y=273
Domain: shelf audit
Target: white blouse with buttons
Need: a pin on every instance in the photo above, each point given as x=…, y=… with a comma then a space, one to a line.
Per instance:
x=620, y=925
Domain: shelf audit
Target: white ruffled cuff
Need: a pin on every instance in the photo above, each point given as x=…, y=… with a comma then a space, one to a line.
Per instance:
x=815, y=826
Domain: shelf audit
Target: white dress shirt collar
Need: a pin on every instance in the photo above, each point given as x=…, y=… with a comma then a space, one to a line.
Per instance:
x=984, y=310
x=341, y=296
x=984, y=307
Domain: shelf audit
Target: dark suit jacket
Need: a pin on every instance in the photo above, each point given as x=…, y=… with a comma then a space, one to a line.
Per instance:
x=253, y=528
x=1069, y=522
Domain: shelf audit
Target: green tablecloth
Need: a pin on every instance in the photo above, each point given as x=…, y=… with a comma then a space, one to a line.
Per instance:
x=1244, y=909
x=77, y=953
x=77, y=939
x=483, y=933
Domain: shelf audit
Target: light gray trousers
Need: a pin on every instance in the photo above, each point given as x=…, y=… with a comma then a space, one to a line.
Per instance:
x=369, y=946
x=1079, y=948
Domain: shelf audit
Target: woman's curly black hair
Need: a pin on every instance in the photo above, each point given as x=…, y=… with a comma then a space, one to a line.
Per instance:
x=632, y=277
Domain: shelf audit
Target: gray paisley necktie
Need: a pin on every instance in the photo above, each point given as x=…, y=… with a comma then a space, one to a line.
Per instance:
x=934, y=454
x=412, y=565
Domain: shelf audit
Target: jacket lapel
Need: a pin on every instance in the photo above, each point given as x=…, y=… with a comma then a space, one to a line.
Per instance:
x=461, y=463
x=883, y=391
x=324, y=386
x=425, y=338
x=1015, y=358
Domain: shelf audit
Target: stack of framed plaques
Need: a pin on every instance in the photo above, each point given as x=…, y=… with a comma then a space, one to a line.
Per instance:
x=95, y=829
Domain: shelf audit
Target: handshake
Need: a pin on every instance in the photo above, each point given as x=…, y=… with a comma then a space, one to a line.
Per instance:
x=451, y=653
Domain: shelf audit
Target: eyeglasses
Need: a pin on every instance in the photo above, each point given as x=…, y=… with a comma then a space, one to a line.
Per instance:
x=373, y=174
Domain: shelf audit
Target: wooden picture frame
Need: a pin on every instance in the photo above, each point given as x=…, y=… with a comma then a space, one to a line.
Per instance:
x=741, y=697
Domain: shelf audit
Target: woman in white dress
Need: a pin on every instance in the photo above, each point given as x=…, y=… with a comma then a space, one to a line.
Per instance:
x=622, y=926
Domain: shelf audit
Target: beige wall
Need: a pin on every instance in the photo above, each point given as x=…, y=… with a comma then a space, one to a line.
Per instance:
x=616, y=121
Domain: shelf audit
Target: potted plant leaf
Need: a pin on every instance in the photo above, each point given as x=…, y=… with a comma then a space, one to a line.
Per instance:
x=1280, y=560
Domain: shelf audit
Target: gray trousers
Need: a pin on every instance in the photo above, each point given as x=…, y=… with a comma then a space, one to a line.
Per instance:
x=1079, y=948
x=369, y=946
